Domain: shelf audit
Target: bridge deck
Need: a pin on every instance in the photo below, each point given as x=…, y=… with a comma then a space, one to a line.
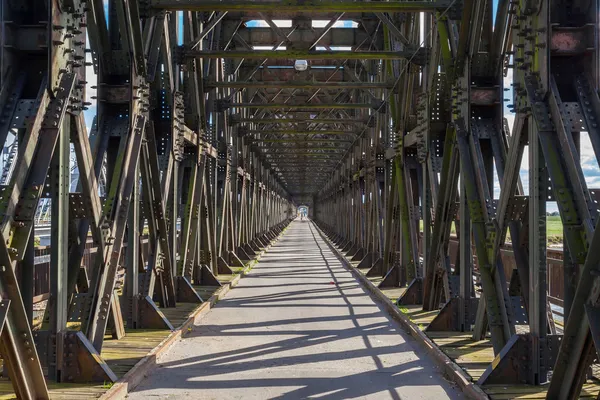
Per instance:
x=298, y=326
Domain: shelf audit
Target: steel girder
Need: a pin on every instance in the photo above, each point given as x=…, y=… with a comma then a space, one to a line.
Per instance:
x=277, y=121
x=417, y=57
x=300, y=85
x=315, y=6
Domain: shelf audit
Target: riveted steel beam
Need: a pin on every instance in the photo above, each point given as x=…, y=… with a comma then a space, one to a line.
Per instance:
x=316, y=106
x=311, y=6
x=312, y=148
x=301, y=172
x=417, y=56
x=307, y=141
x=299, y=156
x=296, y=164
x=299, y=85
x=329, y=121
x=298, y=132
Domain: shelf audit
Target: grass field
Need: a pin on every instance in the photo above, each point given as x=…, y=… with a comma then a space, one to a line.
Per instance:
x=554, y=230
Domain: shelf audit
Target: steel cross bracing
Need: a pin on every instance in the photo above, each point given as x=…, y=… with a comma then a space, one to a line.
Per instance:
x=214, y=120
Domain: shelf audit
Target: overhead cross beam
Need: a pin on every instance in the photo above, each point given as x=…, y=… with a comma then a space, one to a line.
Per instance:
x=306, y=141
x=294, y=152
x=298, y=85
x=299, y=132
x=337, y=106
x=332, y=146
x=299, y=156
x=418, y=56
x=299, y=120
x=310, y=6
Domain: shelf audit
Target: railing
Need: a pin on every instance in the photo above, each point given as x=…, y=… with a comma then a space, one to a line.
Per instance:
x=554, y=256
x=555, y=274
x=41, y=277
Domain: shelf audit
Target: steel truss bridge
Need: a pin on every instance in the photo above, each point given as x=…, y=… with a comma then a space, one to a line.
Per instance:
x=214, y=120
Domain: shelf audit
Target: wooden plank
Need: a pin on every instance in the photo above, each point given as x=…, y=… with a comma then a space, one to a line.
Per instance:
x=121, y=355
x=589, y=391
x=474, y=357
x=375, y=280
x=393, y=293
x=178, y=315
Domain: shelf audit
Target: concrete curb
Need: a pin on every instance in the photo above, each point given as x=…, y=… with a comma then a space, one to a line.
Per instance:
x=450, y=368
x=147, y=364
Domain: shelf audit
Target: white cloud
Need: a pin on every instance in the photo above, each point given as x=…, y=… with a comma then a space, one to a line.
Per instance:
x=510, y=117
x=508, y=79
x=90, y=91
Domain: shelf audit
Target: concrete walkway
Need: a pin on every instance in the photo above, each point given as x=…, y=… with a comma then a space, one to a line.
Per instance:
x=298, y=326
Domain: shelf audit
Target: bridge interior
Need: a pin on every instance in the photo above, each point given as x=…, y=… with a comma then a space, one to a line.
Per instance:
x=155, y=150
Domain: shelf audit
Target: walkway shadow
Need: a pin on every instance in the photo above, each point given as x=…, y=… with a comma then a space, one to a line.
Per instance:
x=282, y=353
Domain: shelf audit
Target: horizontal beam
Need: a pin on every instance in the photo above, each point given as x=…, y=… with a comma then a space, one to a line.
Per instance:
x=295, y=162
x=303, y=112
x=337, y=106
x=300, y=85
x=305, y=184
x=284, y=166
x=297, y=132
x=294, y=152
x=320, y=148
x=322, y=163
x=300, y=162
x=419, y=58
x=302, y=186
x=296, y=171
x=304, y=6
x=300, y=121
x=308, y=140
x=301, y=174
x=299, y=156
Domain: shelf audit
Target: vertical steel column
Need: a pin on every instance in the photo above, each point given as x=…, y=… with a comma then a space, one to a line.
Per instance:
x=466, y=262
x=60, y=181
x=538, y=325
x=133, y=257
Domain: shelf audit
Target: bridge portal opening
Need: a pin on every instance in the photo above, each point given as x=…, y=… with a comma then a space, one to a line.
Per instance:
x=303, y=212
